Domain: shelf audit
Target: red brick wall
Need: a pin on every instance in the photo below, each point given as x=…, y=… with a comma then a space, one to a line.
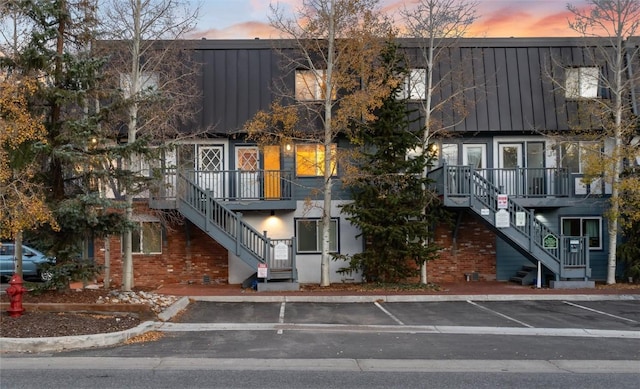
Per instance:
x=473, y=251
x=188, y=254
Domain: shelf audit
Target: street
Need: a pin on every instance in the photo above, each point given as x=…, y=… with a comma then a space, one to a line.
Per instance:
x=451, y=344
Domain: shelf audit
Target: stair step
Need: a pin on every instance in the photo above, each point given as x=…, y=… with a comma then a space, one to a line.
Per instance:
x=518, y=280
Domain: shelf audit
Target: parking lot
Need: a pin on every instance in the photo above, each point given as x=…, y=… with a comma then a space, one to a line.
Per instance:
x=601, y=315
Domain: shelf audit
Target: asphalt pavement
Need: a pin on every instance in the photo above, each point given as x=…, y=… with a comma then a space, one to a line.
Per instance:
x=558, y=315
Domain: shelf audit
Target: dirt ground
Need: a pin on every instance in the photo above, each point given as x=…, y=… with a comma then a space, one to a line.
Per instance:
x=45, y=324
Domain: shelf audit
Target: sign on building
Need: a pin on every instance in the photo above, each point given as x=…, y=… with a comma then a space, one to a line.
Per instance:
x=262, y=270
x=503, y=201
x=502, y=218
x=550, y=242
x=281, y=252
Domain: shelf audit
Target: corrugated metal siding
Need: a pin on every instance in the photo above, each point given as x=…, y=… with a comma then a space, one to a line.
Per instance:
x=237, y=84
x=500, y=85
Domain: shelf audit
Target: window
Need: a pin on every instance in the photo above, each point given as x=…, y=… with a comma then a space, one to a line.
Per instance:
x=582, y=82
x=574, y=156
x=450, y=153
x=584, y=226
x=474, y=155
x=147, y=84
x=310, y=85
x=414, y=86
x=310, y=160
x=309, y=235
x=147, y=238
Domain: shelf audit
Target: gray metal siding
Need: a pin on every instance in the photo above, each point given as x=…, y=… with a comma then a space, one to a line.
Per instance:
x=506, y=83
x=237, y=84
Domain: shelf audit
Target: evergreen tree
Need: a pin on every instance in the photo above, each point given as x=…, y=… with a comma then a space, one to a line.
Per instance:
x=389, y=189
x=78, y=151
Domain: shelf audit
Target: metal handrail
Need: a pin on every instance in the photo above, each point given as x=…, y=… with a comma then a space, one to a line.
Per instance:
x=516, y=182
x=229, y=185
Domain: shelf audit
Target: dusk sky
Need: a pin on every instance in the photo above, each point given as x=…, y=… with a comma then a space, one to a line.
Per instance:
x=248, y=19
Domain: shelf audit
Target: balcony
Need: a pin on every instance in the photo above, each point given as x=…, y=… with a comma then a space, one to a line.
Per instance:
x=237, y=189
x=529, y=187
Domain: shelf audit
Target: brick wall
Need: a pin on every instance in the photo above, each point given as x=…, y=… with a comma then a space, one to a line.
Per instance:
x=188, y=255
x=473, y=251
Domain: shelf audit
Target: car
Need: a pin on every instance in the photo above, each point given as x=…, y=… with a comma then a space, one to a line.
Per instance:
x=32, y=262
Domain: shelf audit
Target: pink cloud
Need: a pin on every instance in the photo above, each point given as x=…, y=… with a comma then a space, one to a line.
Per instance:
x=245, y=30
x=508, y=22
x=496, y=18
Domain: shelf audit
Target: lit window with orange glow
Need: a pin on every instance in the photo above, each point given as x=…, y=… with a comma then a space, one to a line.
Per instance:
x=310, y=160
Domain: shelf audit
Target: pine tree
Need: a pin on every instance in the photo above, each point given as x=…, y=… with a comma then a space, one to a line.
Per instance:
x=389, y=190
x=77, y=150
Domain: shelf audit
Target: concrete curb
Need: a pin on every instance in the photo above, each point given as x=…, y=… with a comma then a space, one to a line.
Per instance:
x=415, y=298
x=174, y=309
x=61, y=343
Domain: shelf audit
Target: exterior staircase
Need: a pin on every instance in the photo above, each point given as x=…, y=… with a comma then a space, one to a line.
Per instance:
x=525, y=276
x=465, y=187
x=227, y=228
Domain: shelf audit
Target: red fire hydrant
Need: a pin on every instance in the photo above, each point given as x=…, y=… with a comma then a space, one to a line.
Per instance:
x=15, y=292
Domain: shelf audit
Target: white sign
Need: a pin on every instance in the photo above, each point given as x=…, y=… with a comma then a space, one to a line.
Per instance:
x=484, y=212
x=502, y=218
x=520, y=219
x=503, y=201
x=281, y=252
x=262, y=270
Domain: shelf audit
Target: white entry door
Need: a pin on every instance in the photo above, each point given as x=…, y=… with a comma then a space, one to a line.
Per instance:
x=509, y=160
x=248, y=165
x=210, y=169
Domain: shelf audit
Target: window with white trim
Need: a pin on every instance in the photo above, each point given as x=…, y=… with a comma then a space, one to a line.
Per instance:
x=584, y=226
x=310, y=85
x=309, y=235
x=582, y=82
x=147, y=238
x=575, y=156
x=449, y=153
x=148, y=83
x=414, y=86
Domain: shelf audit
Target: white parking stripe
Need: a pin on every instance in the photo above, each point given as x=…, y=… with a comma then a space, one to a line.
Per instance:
x=500, y=314
x=281, y=317
x=389, y=314
x=600, y=312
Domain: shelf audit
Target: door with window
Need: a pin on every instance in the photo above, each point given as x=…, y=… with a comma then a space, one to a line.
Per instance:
x=210, y=169
x=475, y=157
x=248, y=165
x=508, y=179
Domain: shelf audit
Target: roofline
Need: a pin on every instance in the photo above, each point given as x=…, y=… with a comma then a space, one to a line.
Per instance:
x=257, y=43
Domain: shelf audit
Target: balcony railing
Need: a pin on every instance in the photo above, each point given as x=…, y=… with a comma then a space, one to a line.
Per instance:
x=517, y=182
x=229, y=185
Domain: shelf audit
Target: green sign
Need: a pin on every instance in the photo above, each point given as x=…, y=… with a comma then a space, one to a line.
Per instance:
x=550, y=242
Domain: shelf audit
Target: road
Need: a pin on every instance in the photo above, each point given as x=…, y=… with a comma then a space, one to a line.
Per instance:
x=587, y=344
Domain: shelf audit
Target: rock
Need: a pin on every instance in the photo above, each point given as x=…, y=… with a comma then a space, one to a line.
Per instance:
x=158, y=302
